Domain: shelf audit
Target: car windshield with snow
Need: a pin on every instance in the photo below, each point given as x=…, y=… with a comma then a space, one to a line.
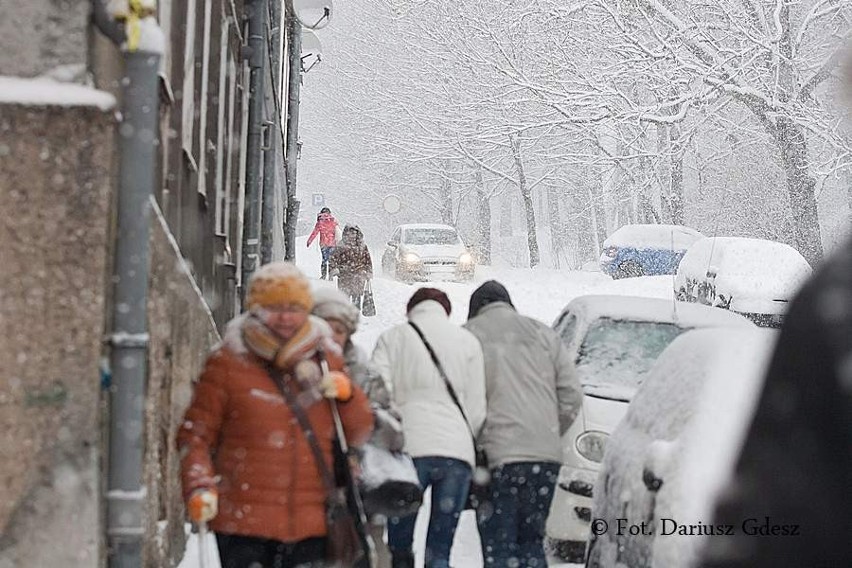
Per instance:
x=616, y=354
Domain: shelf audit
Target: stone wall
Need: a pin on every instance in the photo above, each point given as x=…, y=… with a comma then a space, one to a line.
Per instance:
x=56, y=199
x=39, y=35
x=182, y=333
x=55, y=189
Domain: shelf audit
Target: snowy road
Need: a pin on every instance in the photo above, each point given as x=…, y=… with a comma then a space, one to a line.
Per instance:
x=540, y=293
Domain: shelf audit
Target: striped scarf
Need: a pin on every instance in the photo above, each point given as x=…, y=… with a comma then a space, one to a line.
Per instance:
x=296, y=358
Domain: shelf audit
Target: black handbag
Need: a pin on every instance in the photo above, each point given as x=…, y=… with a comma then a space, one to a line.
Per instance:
x=479, y=484
x=368, y=305
x=346, y=540
x=389, y=484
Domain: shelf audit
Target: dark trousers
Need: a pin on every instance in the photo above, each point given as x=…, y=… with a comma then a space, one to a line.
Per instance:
x=237, y=551
x=511, y=523
x=450, y=481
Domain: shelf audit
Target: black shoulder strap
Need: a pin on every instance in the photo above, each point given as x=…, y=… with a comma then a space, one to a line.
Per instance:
x=443, y=374
x=296, y=408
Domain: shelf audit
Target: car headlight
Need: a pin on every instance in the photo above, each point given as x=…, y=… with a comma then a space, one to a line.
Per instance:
x=466, y=258
x=591, y=445
x=610, y=252
x=411, y=258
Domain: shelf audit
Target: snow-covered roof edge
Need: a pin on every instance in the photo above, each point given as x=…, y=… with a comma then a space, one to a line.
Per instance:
x=42, y=91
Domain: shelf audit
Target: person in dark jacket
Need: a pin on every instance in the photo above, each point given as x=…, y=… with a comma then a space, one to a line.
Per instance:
x=533, y=396
x=352, y=264
x=795, y=469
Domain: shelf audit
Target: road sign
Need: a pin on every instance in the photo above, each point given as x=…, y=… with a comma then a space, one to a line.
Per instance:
x=318, y=199
x=392, y=204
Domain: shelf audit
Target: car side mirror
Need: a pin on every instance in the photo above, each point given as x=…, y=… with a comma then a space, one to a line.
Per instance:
x=651, y=481
x=656, y=462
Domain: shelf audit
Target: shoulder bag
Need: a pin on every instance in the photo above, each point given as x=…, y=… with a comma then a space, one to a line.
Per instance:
x=345, y=543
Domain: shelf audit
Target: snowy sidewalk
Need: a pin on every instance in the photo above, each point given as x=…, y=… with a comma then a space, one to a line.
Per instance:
x=465, y=554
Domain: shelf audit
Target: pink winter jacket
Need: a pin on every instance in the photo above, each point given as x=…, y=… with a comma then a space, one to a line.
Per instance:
x=326, y=223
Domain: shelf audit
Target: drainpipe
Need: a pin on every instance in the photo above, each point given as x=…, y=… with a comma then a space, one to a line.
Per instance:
x=256, y=10
x=272, y=149
x=142, y=45
x=294, y=50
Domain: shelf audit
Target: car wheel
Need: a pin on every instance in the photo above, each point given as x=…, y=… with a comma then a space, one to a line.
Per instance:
x=570, y=551
x=401, y=276
x=387, y=266
x=629, y=269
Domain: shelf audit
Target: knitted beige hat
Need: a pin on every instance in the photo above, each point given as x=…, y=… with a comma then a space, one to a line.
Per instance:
x=332, y=304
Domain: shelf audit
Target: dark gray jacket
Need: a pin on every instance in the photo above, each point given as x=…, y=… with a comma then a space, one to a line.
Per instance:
x=532, y=391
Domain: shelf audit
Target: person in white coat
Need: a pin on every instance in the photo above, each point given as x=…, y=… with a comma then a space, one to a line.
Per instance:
x=437, y=432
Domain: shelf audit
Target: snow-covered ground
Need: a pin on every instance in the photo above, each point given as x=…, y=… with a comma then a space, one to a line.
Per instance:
x=540, y=293
x=465, y=553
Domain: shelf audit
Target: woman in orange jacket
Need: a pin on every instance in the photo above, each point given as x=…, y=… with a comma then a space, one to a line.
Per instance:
x=247, y=467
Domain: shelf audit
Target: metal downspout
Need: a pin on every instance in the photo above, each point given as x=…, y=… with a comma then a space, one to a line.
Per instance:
x=256, y=10
x=273, y=148
x=294, y=51
x=142, y=47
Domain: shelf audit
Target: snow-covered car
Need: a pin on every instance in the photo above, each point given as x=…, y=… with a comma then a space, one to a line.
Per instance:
x=425, y=252
x=675, y=449
x=753, y=277
x=613, y=341
x=646, y=250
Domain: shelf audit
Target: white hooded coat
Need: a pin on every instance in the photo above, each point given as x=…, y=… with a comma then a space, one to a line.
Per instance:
x=431, y=421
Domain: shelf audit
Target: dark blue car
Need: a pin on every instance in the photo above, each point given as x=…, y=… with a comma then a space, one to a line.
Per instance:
x=646, y=250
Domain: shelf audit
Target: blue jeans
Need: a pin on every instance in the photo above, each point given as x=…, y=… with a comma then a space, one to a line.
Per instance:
x=511, y=523
x=326, y=255
x=450, y=481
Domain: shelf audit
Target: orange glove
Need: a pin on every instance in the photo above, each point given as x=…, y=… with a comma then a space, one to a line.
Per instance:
x=203, y=505
x=336, y=385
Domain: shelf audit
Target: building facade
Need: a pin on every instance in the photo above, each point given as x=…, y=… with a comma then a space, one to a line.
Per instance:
x=60, y=123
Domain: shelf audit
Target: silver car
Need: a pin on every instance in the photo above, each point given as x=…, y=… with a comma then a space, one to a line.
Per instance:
x=420, y=252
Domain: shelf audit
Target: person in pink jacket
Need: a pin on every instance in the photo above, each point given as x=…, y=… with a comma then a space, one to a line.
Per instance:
x=326, y=228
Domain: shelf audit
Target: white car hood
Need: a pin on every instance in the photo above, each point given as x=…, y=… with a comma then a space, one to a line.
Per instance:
x=602, y=414
x=436, y=251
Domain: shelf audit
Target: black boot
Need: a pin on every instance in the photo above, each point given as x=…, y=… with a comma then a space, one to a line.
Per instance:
x=402, y=559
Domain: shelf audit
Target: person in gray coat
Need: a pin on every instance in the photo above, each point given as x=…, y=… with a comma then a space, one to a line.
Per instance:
x=532, y=396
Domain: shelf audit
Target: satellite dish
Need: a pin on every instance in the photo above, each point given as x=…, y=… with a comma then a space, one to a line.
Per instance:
x=392, y=204
x=311, y=50
x=313, y=14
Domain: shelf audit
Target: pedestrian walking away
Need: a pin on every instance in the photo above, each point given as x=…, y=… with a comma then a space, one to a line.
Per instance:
x=352, y=264
x=326, y=227
x=533, y=398
x=437, y=435
x=248, y=469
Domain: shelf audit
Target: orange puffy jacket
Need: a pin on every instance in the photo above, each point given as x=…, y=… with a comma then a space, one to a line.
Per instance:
x=239, y=428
